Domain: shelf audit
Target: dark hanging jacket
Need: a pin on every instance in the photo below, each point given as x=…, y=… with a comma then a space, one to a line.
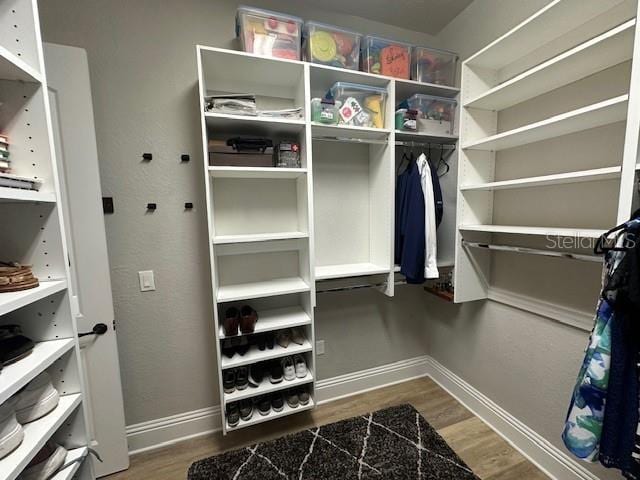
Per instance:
x=409, y=231
x=437, y=194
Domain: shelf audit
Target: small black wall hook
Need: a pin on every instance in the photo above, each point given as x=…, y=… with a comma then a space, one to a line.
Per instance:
x=185, y=157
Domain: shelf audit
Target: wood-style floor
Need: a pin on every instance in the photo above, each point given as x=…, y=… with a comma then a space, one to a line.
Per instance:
x=488, y=455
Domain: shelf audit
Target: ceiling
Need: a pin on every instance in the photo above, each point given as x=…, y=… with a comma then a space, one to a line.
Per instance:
x=428, y=16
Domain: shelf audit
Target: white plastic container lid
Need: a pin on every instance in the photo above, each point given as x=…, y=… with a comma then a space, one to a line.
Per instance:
x=264, y=13
x=357, y=86
x=431, y=98
x=437, y=50
x=326, y=26
x=388, y=40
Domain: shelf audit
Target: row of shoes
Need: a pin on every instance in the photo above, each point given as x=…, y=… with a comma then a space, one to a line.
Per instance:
x=241, y=321
x=287, y=368
x=267, y=340
x=14, y=345
x=243, y=410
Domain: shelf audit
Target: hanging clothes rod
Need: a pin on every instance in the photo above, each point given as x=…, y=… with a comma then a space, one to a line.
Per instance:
x=351, y=140
x=533, y=251
x=435, y=146
x=359, y=287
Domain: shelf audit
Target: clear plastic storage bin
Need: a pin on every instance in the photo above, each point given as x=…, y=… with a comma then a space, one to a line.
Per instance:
x=325, y=111
x=269, y=33
x=330, y=45
x=436, y=115
x=361, y=105
x=386, y=57
x=433, y=66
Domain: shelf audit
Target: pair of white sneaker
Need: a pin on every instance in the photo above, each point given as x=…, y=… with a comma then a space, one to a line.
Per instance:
x=293, y=367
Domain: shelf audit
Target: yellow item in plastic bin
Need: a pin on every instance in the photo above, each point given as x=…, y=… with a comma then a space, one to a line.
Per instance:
x=323, y=46
x=374, y=105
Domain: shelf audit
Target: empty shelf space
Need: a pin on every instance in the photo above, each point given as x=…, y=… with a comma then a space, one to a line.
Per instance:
x=256, y=172
x=277, y=319
x=592, y=116
x=338, y=132
x=77, y=456
x=405, y=136
x=10, y=301
x=254, y=355
x=257, y=418
x=267, y=288
x=14, y=68
x=520, y=230
x=18, y=374
x=257, y=237
x=250, y=125
x=349, y=270
x=407, y=88
x=593, y=175
x=595, y=55
x=266, y=387
x=19, y=195
x=36, y=435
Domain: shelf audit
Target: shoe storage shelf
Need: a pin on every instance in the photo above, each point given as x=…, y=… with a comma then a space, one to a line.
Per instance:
x=32, y=234
x=543, y=124
x=275, y=232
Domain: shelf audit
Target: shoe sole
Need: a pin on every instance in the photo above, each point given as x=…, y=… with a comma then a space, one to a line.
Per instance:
x=290, y=377
x=247, y=418
x=264, y=414
x=294, y=405
x=242, y=387
x=12, y=440
x=229, y=390
x=277, y=409
x=18, y=358
x=48, y=467
x=38, y=410
x=275, y=381
x=233, y=425
x=301, y=374
x=304, y=403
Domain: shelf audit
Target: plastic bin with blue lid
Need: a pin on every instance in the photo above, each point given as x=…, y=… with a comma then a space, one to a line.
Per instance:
x=386, y=57
x=331, y=45
x=429, y=65
x=361, y=105
x=268, y=33
x=436, y=115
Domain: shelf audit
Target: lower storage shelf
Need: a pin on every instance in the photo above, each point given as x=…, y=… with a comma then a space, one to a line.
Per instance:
x=257, y=418
x=277, y=319
x=266, y=387
x=254, y=355
x=349, y=270
x=267, y=288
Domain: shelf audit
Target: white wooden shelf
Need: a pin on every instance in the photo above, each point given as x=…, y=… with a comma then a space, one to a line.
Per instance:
x=254, y=355
x=16, y=375
x=595, y=55
x=327, y=272
x=592, y=116
x=256, y=172
x=406, y=88
x=36, y=434
x=257, y=418
x=77, y=456
x=267, y=288
x=257, y=237
x=14, y=68
x=596, y=174
x=522, y=230
x=253, y=125
x=277, y=319
x=19, y=195
x=337, y=132
x=405, y=136
x=266, y=387
x=10, y=301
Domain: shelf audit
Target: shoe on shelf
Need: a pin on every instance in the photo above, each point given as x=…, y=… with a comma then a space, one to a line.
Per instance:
x=264, y=406
x=288, y=369
x=242, y=345
x=248, y=319
x=270, y=340
x=11, y=433
x=275, y=372
x=283, y=338
x=229, y=380
x=46, y=463
x=292, y=399
x=297, y=336
x=231, y=322
x=246, y=410
x=256, y=375
x=261, y=342
x=13, y=345
x=242, y=378
x=233, y=414
x=228, y=350
x=300, y=366
x=37, y=399
x=277, y=403
x=303, y=397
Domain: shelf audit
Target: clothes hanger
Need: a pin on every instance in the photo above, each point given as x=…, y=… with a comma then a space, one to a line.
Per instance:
x=441, y=162
x=621, y=229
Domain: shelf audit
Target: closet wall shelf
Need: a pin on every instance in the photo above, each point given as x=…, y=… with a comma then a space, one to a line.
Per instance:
x=591, y=116
x=266, y=387
x=348, y=132
x=11, y=301
x=257, y=237
x=267, y=288
x=254, y=355
x=407, y=88
x=404, y=136
x=11, y=195
x=14, y=68
x=606, y=50
x=76, y=455
x=257, y=418
x=523, y=230
x=277, y=319
x=36, y=434
x=328, y=272
x=17, y=375
x=256, y=172
x=249, y=125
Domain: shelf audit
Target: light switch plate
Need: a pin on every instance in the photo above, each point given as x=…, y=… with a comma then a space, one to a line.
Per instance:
x=147, y=281
x=320, y=347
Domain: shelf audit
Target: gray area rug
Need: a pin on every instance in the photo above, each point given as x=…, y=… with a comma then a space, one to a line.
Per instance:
x=395, y=443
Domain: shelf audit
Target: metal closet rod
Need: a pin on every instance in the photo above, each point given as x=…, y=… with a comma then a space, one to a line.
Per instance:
x=351, y=140
x=359, y=287
x=533, y=251
x=436, y=146
x=442, y=146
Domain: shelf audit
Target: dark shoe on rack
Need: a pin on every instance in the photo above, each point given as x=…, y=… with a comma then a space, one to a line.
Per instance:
x=270, y=340
x=233, y=415
x=275, y=372
x=242, y=345
x=242, y=378
x=264, y=406
x=13, y=345
x=248, y=319
x=256, y=375
x=292, y=398
x=229, y=380
x=261, y=342
x=303, y=397
x=277, y=403
x=231, y=322
x=246, y=410
x=228, y=350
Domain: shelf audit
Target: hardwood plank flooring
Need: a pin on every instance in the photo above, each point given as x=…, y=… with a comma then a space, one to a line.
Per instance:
x=480, y=447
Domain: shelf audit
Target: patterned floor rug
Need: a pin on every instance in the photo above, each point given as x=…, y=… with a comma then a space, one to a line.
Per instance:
x=395, y=443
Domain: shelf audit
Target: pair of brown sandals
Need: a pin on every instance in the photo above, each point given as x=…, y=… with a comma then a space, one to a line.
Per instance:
x=15, y=277
x=244, y=319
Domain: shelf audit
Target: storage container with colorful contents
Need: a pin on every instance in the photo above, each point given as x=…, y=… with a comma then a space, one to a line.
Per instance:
x=386, y=57
x=436, y=115
x=269, y=33
x=330, y=45
x=360, y=105
x=433, y=66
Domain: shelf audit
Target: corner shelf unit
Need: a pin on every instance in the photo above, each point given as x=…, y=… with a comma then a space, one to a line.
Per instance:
x=275, y=232
x=34, y=235
x=518, y=78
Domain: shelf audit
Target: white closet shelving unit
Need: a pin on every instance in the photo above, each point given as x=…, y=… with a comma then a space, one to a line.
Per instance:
x=580, y=38
x=275, y=232
x=33, y=233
